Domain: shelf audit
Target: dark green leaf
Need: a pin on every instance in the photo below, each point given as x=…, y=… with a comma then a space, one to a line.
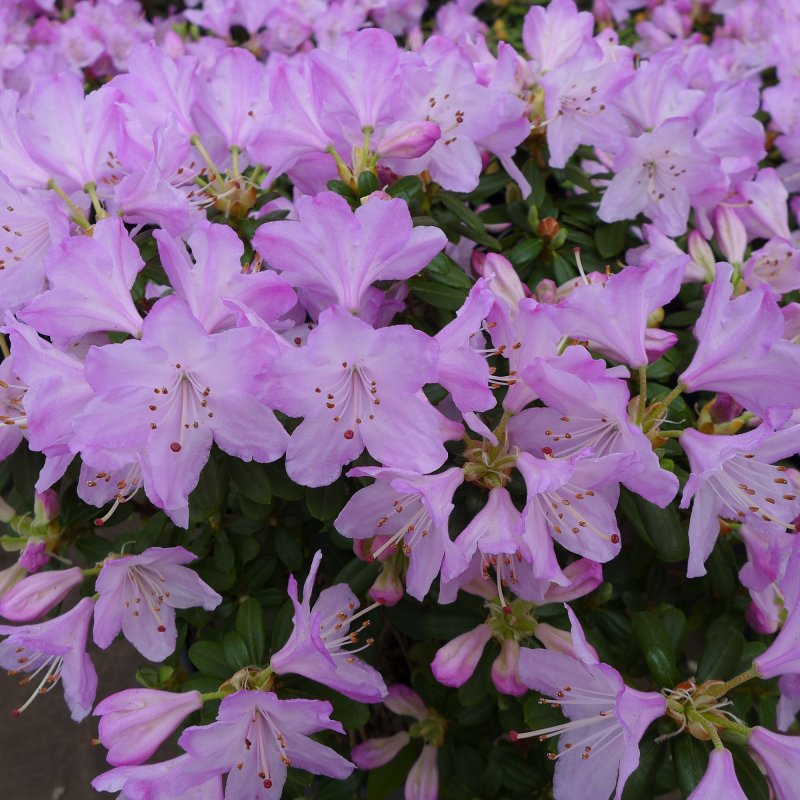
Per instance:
x=664, y=530
x=610, y=239
x=656, y=647
x=367, y=183
x=209, y=659
x=690, y=758
x=235, y=650
x=408, y=189
x=250, y=624
x=722, y=650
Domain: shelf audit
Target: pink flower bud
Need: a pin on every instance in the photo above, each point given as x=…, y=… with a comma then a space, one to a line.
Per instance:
x=731, y=234
x=136, y=721
x=557, y=640
x=45, y=507
x=505, y=282
x=703, y=257
x=505, y=670
x=422, y=782
x=454, y=663
x=408, y=141
x=387, y=589
x=547, y=291
x=406, y=702
x=34, y=556
x=378, y=194
x=376, y=752
x=37, y=594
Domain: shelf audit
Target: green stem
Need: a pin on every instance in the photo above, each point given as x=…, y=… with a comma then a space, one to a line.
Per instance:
x=235, y=150
x=92, y=571
x=216, y=175
x=670, y=434
x=256, y=175
x=345, y=173
x=664, y=402
x=77, y=215
x=500, y=430
x=642, y=395
x=209, y=696
x=91, y=189
x=708, y=727
x=724, y=688
x=735, y=727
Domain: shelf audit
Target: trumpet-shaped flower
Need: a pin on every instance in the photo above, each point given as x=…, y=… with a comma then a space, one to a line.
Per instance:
x=255, y=739
x=599, y=744
x=357, y=387
x=170, y=394
x=56, y=651
x=321, y=634
x=139, y=595
x=719, y=780
x=37, y=594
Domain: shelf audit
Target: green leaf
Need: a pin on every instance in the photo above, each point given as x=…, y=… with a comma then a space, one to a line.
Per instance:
x=235, y=650
x=525, y=252
x=610, y=239
x=655, y=644
x=341, y=188
x=536, y=179
x=721, y=654
x=690, y=759
x=437, y=295
x=664, y=530
x=209, y=659
x=462, y=212
x=444, y=270
x=340, y=790
x=288, y=549
x=325, y=503
x=224, y=557
x=367, y=183
x=381, y=782
x=250, y=624
x=409, y=189
x=251, y=479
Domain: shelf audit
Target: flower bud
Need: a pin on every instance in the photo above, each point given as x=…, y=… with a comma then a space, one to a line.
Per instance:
x=548, y=228
x=10, y=577
x=584, y=576
x=409, y=141
x=505, y=670
x=34, y=556
x=37, y=594
x=375, y=753
x=547, y=291
x=505, y=282
x=703, y=257
x=135, y=722
x=422, y=782
x=387, y=589
x=454, y=663
x=556, y=640
x=45, y=508
x=406, y=702
x=731, y=234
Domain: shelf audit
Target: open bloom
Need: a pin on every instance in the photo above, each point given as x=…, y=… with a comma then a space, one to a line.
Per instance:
x=139, y=595
x=170, y=394
x=255, y=738
x=357, y=387
x=135, y=722
x=599, y=745
x=409, y=511
x=779, y=754
x=56, y=651
x=317, y=645
x=733, y=477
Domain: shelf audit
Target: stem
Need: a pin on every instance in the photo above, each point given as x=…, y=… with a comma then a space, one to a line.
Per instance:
x=92, y=571
x=670, y=434
x=209, y=696
x=500, y=430
x=256, y=175
x=77, y=215
x=708, y=727
x=642, y=394
x=736, y=727
x=724, y=688
x=235, y=150
x=91, y=189
x=195, y=140
x=345, y=173
x=664, y=402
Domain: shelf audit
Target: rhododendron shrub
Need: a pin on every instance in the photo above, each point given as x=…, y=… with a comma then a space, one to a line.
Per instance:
x=414, y=386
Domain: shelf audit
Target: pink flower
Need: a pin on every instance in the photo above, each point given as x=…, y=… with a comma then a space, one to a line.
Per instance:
x=139, y=595
x=719, y=780
x=356, y=388
x=55, y=649
x=779, y=754
x=266, y=736
x=599, y=745
x=334, y=255
x=37, y=594
x=135, y=722
x=317, y=646
x=454, y=663
x=741, y=350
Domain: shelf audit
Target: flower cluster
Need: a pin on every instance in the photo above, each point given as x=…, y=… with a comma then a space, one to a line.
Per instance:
x=506, y=302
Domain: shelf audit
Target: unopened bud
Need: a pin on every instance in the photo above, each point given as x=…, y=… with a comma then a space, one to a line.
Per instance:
x=548, y=228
